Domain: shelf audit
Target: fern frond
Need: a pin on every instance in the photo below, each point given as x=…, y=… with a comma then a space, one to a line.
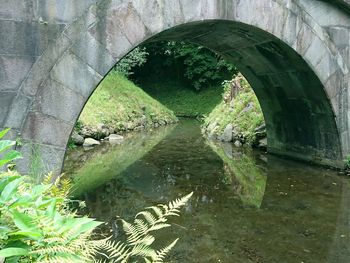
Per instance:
x=115, y=250
x=143, y=251
x=162, y=253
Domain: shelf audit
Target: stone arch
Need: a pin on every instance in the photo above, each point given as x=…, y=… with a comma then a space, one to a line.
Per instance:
x=295, y=69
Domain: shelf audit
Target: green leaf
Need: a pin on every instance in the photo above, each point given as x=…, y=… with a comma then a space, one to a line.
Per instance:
x=9, y=190
x=5, y=144
x=10, y=156
x=30, y=234
x=23, y=221
x=13, y=251
x=3, y=132
x=6, y=180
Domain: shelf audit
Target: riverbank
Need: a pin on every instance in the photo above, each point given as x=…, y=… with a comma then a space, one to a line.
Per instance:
x=119, y=106
x=238, y=117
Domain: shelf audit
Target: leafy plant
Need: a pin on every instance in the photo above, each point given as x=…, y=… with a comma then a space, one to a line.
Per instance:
x=5, y=149
x=37, y=225
x=199, y=65
x=135, y=58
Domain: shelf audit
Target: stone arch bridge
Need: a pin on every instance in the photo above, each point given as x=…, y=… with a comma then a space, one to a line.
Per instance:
x=295, y=54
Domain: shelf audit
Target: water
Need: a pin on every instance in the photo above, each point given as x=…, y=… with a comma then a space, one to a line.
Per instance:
x=247, y=206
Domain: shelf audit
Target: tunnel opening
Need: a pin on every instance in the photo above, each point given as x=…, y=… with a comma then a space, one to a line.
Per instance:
x=299, y=117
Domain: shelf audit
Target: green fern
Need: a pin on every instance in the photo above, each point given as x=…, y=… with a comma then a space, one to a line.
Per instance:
x=139, y=238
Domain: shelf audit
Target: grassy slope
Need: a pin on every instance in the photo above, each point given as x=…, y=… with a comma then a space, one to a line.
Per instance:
x=181, y=99
x=118, y=100
x=245, y=122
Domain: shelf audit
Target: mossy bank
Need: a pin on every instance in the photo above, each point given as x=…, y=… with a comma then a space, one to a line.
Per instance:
x=238, y=117
x=119, y=106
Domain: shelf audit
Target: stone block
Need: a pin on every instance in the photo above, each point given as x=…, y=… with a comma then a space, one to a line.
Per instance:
x=40, y=158
x=75, y=74
x=304, y=38
x=191, y=10
x=80, y=26
x=58, y=101
x=63, y=11
x=26, y=38
x=6, y=99
x=326, y=67
x=94, y=54
x=333, y=84
x=151, y=14
x=15, y=9
x=316, y=52
x=44, y=64
x=340, y=36
x=112, y=38
x=46, y=130
x=18, y=111
x=13, y=71
x=124, y=17
x=291, y=29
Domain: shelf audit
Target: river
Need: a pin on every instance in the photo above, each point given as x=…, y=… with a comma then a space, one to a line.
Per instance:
x=247, y=206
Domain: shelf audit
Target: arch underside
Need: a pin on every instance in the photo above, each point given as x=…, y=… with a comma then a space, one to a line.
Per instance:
x=298, y=114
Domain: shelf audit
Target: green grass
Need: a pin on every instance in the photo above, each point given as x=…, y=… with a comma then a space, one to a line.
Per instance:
x=117, y=100
x=183, y=99
x=245, y=122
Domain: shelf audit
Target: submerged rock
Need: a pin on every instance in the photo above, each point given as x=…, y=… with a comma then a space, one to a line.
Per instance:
x=89, y=142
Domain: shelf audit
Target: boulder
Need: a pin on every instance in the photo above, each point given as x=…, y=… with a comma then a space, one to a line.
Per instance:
x=263, y=144
x=77, y=139
x=142, y=121
x=249, y=107
x=115, y=138
x=238, y=144
x=89, y=142
x=227, y=134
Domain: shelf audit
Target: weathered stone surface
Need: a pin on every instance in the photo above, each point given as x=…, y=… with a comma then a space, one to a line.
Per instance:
x=89, y=142
x=64, y=11
x=46, y=129
x=13, y=71
x=5, y=104
x=115, y=138
x=294, y=54
x=77, y=139
x=94, y=54
x=227, y=134
x=18, y=111
x=59, y=101
x=49, y=158
x=79, y=76
x=238, y=144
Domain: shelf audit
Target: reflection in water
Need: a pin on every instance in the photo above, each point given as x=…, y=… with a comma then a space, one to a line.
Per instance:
x=93, y=167
x=240, y=171
x=246, y=207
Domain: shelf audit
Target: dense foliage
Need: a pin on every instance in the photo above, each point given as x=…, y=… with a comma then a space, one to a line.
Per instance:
x=135, y=58
x=199, y=65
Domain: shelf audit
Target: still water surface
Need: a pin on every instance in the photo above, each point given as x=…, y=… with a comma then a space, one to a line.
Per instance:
x=247, y=206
